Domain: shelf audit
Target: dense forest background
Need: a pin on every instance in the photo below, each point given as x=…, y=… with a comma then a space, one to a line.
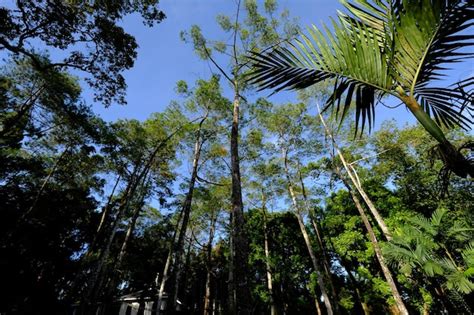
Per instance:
x=224, y=201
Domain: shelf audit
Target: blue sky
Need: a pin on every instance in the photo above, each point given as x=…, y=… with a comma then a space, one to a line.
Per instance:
x=163, y=58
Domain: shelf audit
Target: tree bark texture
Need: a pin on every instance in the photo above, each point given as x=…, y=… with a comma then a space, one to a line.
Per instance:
x=299, y=216
x=351, y=172
x=378, y=252
x=239, y=236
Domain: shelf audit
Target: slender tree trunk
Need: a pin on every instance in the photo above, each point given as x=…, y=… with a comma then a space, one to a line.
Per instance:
x=273, y=307
x=322, y=245
x=164, y=277
x=105, y=214
x=316, y=228
x=22, y=111
x=131, y=227
x=378, y=252
x=230, y=281
x=94, y=286
x=106, y=211
x=186, y=210
x=355, y=286
x=239, y=235
x=183, y=270
x=299, y=216
x=207, y=297
x=351, y=172
x=316, y=304
x=96, y=276
x=128, y=235
x=168, y=264
x=43, y=186
x=93, y=244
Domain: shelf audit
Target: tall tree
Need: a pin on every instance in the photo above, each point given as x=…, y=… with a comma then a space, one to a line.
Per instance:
x=250, y=31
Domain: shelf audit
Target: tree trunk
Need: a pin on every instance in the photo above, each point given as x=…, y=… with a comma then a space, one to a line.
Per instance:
x=43, y=186
x=354, y=284
x=207, y=297
x=164, y=277
x=105, y=214
x=322, y=246
x=186, y=211
x=239, y=236
x=106, y=211
x=307, y=240
x=273, y=307
x=96, y=277
x=168, y=264
x=123, y=249
x=183, y=270
x=316, y=304
x=355, y=180
x=378, y=252
x=25, y=108
x=230, y=281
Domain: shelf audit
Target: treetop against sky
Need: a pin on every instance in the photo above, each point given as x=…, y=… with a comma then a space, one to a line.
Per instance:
x=164, y=59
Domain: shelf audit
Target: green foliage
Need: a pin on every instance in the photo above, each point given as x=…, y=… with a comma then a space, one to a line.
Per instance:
x=376, y=49
x=67, y=25
x=423, y=243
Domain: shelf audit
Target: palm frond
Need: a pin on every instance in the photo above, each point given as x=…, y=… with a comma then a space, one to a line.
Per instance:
x=375, y=47
x=458, y=281
x=448, y=107
x=437, y=216
x=372, y=15
x=423, y=225
x=353, y=60
x=448, y=19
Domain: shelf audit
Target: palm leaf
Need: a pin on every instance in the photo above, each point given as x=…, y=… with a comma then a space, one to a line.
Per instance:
x=375, y=48
x=375, y=16
x=426, y=36
x=354, y=60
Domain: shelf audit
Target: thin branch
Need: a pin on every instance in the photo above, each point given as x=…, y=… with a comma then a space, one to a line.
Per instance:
x=369, y=156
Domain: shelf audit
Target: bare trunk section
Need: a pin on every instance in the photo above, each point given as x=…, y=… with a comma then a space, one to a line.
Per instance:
x=230, y=281
x=95, y=278
x=299, y=216
x=43, y=186
x=351, y=172
x=273, y=307
x=208, y=309
x=105, y=214
x=131, y=227
x=242, y=303
x=316, y=304
x=93, y=244
x=373, y=239
x=322, y=245
x=165, y=276
x=186, y=211
x=378, y=252
x=128, y=235
x=106, y=211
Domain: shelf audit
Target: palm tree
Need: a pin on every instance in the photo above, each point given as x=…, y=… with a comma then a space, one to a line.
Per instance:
x=426, y=245
x=385, y=47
